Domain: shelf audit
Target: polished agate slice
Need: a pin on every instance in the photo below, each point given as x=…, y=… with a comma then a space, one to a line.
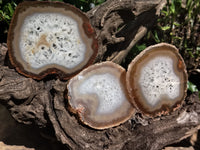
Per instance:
x=157, y=80
x=50, y=38
x=99, y=97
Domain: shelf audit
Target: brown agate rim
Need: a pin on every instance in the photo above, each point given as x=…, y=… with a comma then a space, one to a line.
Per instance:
x=82, y=113
x=165, y=106
x=89, y=31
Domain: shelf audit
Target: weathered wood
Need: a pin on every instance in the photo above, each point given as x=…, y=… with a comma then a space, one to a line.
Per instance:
x=49, y=105
x=119, y=25
x=13, y=147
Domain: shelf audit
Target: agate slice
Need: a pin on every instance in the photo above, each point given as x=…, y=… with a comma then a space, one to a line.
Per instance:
x=99, y=97
x=157, y=80
x=50, y=38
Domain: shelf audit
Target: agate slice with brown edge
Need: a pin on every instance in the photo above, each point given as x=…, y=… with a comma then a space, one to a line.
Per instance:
x=99, y=97
x=157, y=80
x=50, y=38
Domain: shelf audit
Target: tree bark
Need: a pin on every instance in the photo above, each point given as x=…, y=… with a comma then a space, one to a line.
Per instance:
x=119, y=25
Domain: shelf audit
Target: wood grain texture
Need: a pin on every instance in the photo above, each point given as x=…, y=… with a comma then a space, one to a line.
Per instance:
x=119, y=25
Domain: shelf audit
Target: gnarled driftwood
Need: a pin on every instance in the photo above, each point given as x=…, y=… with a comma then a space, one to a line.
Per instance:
x=119, y=25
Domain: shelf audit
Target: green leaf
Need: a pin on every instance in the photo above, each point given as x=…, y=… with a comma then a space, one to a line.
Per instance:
x=1, y=15
x=165, y=28
x=165, y=12
x=156, y=38
x=176, y=37
x=188, y=4
x=189, y=49
x=191, y=87
x=197, y=53
x=10, y=8
x=100, y=2
x=176, y=24
x=84, y=1
x=191, y=54
x=7, y=17
x=172, y=7
x=141, y=47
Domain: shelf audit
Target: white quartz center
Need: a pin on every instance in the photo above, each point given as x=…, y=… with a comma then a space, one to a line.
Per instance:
x=157, y=80
x=51, y=38
x=108, y=90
